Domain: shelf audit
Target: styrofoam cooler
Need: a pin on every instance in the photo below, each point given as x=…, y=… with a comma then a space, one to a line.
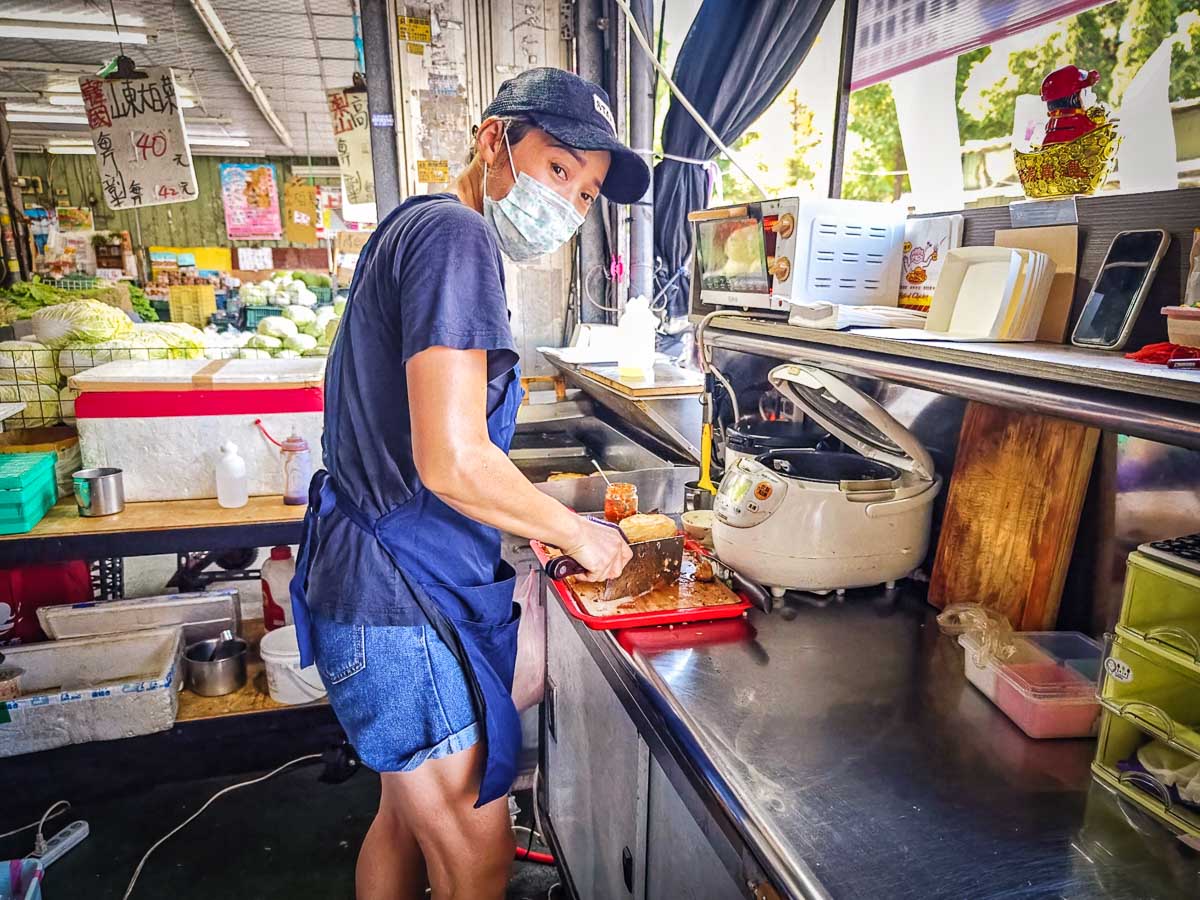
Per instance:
x=163, y=421
x=91, y=689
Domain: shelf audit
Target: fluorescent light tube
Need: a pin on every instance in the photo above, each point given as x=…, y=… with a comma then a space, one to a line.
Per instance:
x=207, y=141
x=72, y=31
x=47, y=118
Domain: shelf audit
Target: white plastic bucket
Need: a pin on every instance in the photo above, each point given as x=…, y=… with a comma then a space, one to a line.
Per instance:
x=286, y=681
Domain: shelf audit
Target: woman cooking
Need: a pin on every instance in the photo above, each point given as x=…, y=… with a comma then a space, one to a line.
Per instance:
x=401, y=597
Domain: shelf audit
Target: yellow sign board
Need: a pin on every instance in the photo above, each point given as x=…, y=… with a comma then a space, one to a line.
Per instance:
x=219, y=259
x=433, y=171
x=414, y=28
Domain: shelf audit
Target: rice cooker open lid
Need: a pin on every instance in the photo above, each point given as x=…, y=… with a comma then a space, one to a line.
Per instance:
x=853, y=417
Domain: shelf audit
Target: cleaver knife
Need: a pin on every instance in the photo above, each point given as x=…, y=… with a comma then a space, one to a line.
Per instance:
x=654, y=563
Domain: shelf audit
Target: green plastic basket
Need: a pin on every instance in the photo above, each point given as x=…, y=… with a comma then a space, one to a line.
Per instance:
x=21, y=510
x=252, y=315
x=19, y=471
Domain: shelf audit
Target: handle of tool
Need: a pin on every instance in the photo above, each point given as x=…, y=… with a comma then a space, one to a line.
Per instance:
x=560, y=567
x=705, y=482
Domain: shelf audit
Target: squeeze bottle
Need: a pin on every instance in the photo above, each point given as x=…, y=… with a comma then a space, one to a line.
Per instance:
x=636, y=329
x=277, y=575
x=232, y=490
x=297, y=470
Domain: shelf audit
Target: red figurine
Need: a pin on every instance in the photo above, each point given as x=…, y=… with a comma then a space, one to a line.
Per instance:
x=1061, y=92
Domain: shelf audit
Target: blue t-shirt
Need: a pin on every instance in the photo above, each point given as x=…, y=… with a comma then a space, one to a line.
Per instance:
x=430, y=276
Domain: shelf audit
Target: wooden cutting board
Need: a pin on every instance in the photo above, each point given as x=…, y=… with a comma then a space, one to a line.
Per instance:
x=1061, y=244
x=1012, y=513
x=668, y=381
x=687, y=593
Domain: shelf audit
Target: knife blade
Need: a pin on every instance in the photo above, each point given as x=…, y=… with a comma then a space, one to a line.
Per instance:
x=654, y=562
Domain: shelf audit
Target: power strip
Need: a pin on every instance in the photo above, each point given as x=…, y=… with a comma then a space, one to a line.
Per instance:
x=66, y=839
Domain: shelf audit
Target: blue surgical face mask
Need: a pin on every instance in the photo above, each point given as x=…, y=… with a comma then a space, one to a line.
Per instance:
x=531, y=220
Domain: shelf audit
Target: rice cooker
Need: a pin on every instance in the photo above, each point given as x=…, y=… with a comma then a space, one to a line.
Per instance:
x=811, y=520
x=752, y=437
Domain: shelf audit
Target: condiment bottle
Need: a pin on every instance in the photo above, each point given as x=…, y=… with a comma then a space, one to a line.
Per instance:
x=620, y=501
x=277, y=574
x=232, y=488
x=297, y=470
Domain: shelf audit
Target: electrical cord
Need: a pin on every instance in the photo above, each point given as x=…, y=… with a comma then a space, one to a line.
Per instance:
x=312, y=757
x=636, y=30
x=706, y=363
x=39, y=843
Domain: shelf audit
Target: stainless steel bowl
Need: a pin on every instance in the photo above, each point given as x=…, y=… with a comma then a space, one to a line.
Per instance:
x=99, y=492
x=210, y=677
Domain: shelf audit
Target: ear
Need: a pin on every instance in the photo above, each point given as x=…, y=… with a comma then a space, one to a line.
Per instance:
x=489, y=140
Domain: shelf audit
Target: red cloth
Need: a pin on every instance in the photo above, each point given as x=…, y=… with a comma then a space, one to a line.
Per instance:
x=1161, y=354
x=25, y=588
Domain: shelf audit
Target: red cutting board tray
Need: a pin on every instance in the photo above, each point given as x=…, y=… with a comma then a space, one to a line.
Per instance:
x=639, y=620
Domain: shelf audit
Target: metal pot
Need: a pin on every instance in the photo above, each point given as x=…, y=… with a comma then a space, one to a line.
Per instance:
x=99, y=492
x=210, y=677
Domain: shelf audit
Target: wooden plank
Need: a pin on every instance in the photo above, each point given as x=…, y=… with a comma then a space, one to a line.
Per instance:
x=252, y=697
x=171, y=515
x=668, y=381
x=1012, y=513
x=1061, y=244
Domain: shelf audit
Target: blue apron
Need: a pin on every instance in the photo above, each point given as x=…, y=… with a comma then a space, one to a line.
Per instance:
x=479, y=623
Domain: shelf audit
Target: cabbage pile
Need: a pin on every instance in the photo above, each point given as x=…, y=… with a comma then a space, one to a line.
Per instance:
x=89, y=321
x=79, y=356
x=27, y=361
x=282, y=290
x=184, y=341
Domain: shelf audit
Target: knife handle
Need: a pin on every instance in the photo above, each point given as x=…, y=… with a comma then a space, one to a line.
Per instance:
x=560, y=567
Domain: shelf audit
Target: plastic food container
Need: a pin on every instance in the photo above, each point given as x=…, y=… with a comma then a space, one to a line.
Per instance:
x=1183, y=325
x=1042, y=687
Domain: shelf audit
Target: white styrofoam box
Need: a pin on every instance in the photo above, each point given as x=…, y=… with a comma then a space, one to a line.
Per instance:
x=202, y=615
x=174, y=458
x=92, y=689
x=163, y=421
x=173, y=374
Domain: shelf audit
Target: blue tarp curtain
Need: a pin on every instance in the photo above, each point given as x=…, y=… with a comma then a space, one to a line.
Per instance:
x=737, y=56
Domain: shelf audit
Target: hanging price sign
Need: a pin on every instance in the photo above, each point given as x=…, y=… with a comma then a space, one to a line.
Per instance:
x=136, y=124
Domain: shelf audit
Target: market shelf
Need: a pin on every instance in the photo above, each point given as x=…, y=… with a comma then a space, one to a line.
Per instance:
x=1094, y=387
x=144, y=529
x=251, y=698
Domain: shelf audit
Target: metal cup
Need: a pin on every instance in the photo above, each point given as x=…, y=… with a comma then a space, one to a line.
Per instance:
x=696, y=497
x=210, y=677
x=99, y=492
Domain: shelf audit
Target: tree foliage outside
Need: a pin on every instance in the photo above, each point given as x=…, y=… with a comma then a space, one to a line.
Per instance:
x=1115, y=39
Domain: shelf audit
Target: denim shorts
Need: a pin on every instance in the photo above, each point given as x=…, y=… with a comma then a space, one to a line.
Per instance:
x=397, y=690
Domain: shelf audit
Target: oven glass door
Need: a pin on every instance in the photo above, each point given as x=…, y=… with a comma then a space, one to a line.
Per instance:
x=733, y=256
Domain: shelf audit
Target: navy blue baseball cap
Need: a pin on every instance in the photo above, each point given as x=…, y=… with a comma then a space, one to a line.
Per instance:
x=576, y=112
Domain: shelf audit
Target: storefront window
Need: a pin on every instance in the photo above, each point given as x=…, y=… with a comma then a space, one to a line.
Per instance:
x=911, y=125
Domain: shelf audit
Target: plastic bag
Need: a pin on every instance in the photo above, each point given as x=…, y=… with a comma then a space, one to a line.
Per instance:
x=529, y=677
x=21, y=879
x=991, y=630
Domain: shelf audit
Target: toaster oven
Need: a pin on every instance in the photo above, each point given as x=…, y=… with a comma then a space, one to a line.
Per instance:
x=773, y=253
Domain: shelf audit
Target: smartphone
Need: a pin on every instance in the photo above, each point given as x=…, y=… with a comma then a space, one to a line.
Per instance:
x=1120, y=288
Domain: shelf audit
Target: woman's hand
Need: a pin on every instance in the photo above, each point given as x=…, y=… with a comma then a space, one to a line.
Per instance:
x=601, y=549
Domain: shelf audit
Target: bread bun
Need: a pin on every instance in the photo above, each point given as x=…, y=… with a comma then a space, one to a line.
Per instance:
x=648, y=527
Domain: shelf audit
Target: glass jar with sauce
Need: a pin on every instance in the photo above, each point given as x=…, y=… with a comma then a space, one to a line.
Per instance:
x=620, y=501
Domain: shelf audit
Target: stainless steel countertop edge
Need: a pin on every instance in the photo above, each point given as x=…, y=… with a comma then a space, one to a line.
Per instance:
x=627, y=674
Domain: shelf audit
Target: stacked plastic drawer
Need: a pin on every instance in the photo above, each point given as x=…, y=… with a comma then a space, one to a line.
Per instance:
x=1149, y=743
x=27, y=490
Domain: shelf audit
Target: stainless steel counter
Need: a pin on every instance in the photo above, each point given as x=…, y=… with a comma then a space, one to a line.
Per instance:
x=844, y=748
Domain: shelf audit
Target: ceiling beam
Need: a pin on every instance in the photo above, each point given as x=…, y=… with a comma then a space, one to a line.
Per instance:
x=225, y=43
